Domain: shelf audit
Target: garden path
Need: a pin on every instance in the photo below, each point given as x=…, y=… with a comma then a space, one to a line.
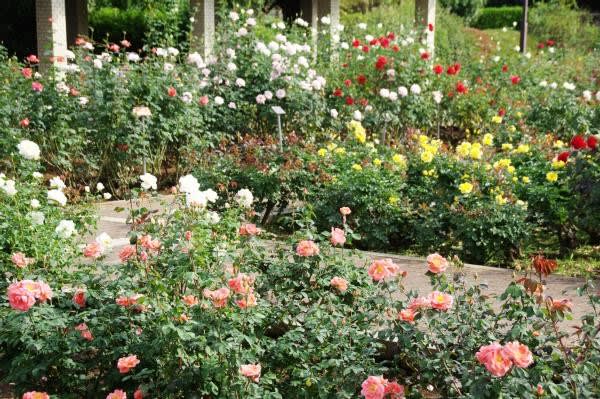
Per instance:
x=493, y=280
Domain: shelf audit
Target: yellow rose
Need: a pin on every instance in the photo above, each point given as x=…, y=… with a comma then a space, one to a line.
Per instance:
x=426, y=156
x=488, y=139
x=556, y=164
x=322, y=152
x=359, y=132
x=423, y=139
x=552, y=177
x=512, y=128
x=497, y=119
x=558, y=144
x=357, y=167
x=340, y=150
x=525, y=179
x=377, y=162
x=507, y=146
x=463, y=149
x=465, y=188
x=500, y=200
x=510, y=169
x=523, y=149
x=476, y=152
x=331, y=146
x=399, y=160
x=393, y=200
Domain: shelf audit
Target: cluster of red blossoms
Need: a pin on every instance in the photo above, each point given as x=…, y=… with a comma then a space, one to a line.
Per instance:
x=579, y=142
x=549, y=43
x=382, y=41
x=451, y=70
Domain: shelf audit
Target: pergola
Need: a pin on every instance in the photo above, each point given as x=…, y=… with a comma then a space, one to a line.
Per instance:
x=59, y=22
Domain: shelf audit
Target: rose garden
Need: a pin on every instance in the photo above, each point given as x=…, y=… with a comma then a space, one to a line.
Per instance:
x=253, y=176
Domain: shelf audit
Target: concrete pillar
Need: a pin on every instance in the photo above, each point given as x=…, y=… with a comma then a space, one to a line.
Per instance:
x=424, y=17
x=77, y=20
x=51, y=25
x=331, y=8
x=203, y=27
x=310, y=13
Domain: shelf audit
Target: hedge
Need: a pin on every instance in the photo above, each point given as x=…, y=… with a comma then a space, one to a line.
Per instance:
x=497, y=17
x=111, y=22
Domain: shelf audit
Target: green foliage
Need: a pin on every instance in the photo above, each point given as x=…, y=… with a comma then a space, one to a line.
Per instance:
x=464, y=8
x=497, y=17
x=113, y=25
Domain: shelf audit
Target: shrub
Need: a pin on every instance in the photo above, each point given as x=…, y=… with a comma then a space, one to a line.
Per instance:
x=497, y=17
x=465, y=8
x=113, y=25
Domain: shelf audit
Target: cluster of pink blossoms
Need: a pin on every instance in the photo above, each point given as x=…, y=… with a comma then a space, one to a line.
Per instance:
x=249, y=229
x=499, y=359
x=148, y=246
x=307, y=248
x=243, y=285
x=384, y=269
x=22, y=295
x=251, y=371
x=20, y=260
x=436, y=300
x=377, y=387
x=125, y=364
x=218, y=297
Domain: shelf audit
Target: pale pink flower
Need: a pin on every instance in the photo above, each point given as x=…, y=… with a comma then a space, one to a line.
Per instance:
x=518, y=353
x=117, y=394
x=382, y=269
x=345, y=211
x=203, y=100
x=373, y=387
x=125, y=364
x=20, y=260
x=338, y=237
x=339, y=283
x=44, y=292
x=249, y=229
x=437, y=263
x=307, y=248
x=252, y=371
x=218, y=297
x=440, y=300
x=418, y=303
x=147, y=242
x=35, y=395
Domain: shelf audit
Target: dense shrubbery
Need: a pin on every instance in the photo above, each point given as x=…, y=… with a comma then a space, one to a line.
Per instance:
x=497, y=17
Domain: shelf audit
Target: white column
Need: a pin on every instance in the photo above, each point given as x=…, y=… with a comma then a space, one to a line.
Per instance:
x=424, y=16
x=51, y=24
x=203, y=25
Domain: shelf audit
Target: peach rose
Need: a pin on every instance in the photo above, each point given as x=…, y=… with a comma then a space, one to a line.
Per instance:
x=242, y=283
x=147, y=242
x=218, y=297
x=339, y=283
x=252, y=371
x=188, y=235
x=93, y=250
x=127, y=252
x=520, y=354
x=437, y=263
x=373, y=387
x=345, y=211
x=190, y=300
x=20, y=260
x=35, y=395
x=563, y=305
x=44, y=292
x=407, y=315
x=494, y=359
x=85, y=331
x=419, y=303
x=307, y=248
x=125, y=364
x=338, y=237
x=394, y=390
x=247, y=301
x=117, y=394
x=440, y=300
x=249, y=229
x=382, y=269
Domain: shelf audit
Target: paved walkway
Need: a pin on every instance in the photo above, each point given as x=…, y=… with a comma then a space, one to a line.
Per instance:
x=493, y=280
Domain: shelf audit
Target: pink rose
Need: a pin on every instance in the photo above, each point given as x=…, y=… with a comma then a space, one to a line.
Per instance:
x=437, y=263
x=339, y=283
x=190, y=300
x=37, y=86
x=35, y=395
x=93, y=250
x=20, y=299
x=520, y=354
x=242, y=283
x=407, y=315
x=249, y=229
x=44, y=292
x=373, y=387
x=188, y=235
x=85, y=332
x=382, y=269
x=127, y=252
x=117, y=394
x=338, y=237
x=307, y=248
x=218, y=297
x=125, y=364
x=147, y=242
x=79, y=298
x=440, y=300
x=252, y=371
x=248, y=301
x=494, y=359
x=345, y=211
x=20, y=260
x=203, y=100
x=138, y=394
x=394, y=390
x=419, y=303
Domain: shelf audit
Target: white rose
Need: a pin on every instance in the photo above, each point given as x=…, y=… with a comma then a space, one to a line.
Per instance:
x=188, y=184
x=213, y=217
x=29, y=150
x=334, y=113
x=196, y=199
x=357, y=115
x=280, y=93
x=104, y=240
x=148, y=181
x=57, y=196
x=99, y=186
x=107, y=196
x=244, y=198
x=8, y=186
x=415, y=89
x=37, y=218
x=35, y=203
x=211, y=195
x=65, y=229
x=57, y=183
x=402, y=91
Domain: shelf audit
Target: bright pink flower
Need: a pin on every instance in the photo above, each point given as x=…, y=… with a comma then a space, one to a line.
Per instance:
x=520, y=354
x=339, y=283
x=218, y=297
x=373, y=387
x=251, y=371
x=138, y=394
x=27, y=73
x=515, y=79
x=79, y=298
x=440, y=300
x=437, y=263
x=203, y=100
x=24, y=122
x=35, y=395
x=20, y=298
x=307, y=248
x=32, y=59
x=338, y=237
x=494, y=359
x=117, y=394
x=37, y=86
x=127, y=252
x=93, y=250
x=394, y=390
x=125, y=364
x=249, y=229
x=114, y=47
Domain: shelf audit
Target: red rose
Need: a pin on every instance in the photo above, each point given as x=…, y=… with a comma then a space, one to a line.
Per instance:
x=438, y=69
x=592, y=141
x=355, y=43
x=171, y=92
x=364, y=102
x=391, y=35
x=424, y=55
x=550, y=42
x=578, y=142
x=381, y=63
x=514, y=79
x=384, y=42
x=430, y=27
x=349, y=100
x=457, y=67
x=347, y=82
x=374, y=42
x=540, y=45
x=504, y=68
x=501, y=112
x=338, y=93
x=361, y=79
x=365, y=49
x=461, y=88
x=563, y=156
x=395, y=49
x=451, y=70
